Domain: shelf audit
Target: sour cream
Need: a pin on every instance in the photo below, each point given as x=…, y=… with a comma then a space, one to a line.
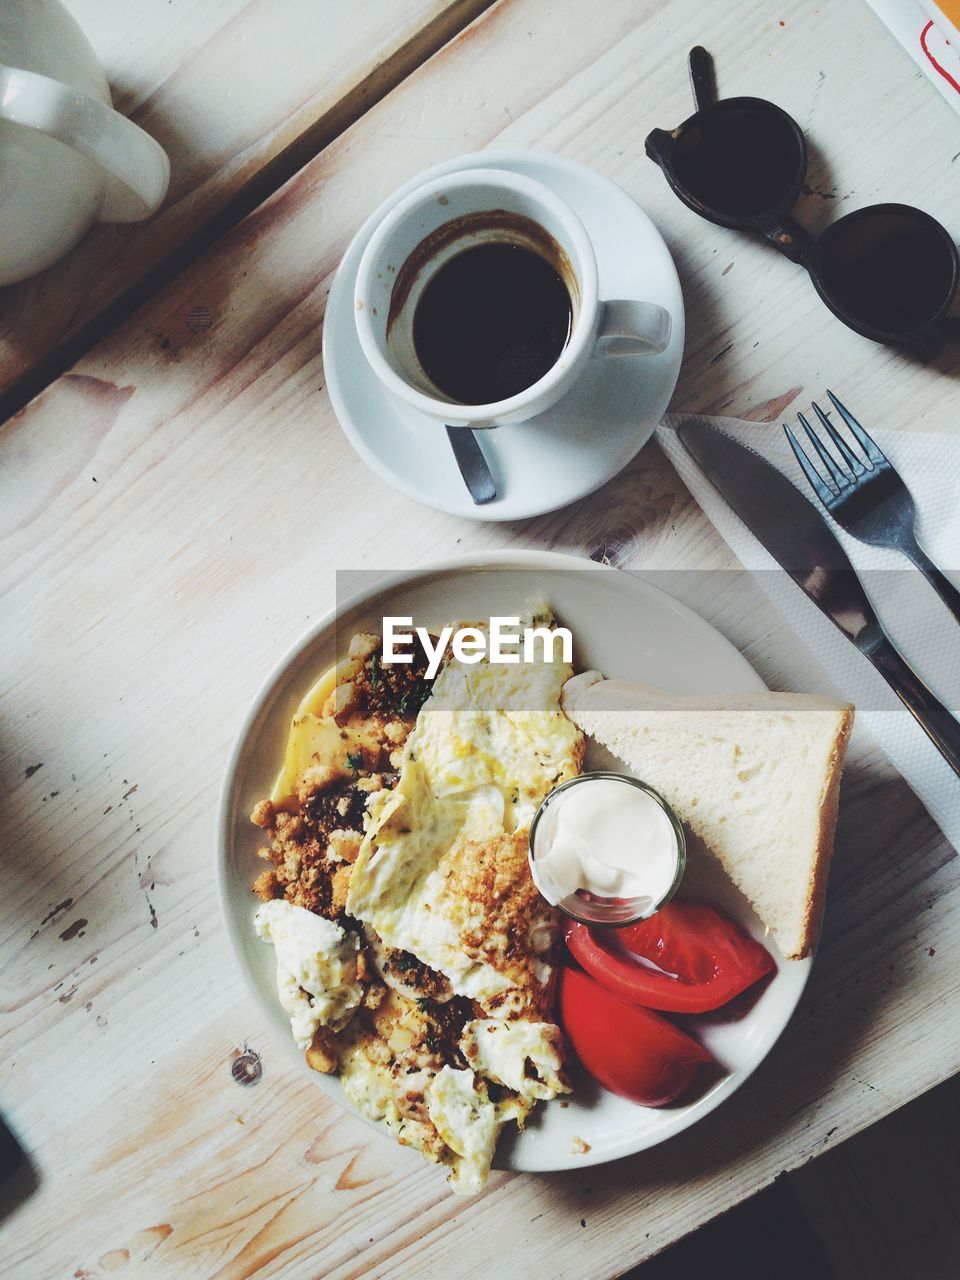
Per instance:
x=605, y=847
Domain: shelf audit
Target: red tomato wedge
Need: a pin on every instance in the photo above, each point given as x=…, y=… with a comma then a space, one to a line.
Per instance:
x=626, y=1048
x=705, y=958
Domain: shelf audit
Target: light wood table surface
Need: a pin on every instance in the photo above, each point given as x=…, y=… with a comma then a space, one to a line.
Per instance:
x=241, y=93
x=175, y=509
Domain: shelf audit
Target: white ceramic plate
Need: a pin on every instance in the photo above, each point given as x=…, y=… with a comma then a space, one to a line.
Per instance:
x=573, y=448
x=622, y=626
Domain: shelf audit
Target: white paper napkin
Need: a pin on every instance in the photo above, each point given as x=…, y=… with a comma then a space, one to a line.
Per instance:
x=912, y=613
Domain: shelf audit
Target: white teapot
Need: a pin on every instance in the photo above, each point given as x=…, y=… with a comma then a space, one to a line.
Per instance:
x=67, y=159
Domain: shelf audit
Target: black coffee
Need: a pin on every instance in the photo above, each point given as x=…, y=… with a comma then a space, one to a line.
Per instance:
x=491, y=322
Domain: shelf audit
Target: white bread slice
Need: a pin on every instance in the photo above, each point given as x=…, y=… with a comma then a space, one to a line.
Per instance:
x=755, y=775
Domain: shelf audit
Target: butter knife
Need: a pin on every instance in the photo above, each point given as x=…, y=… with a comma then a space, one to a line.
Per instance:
x=794, y=533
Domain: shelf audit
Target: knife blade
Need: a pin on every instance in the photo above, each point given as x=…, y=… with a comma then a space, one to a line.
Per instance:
x=803, y=544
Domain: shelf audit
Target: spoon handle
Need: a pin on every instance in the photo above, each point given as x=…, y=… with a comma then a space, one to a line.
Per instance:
x=472, y=464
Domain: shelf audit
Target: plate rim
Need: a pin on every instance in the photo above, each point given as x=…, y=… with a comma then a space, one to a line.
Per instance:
x=507, y=558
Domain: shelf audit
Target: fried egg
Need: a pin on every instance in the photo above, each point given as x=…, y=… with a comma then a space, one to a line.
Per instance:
x=442, y=890
x=317, y=978
x=316, y=737
x=386, y=1067
x=461, y=1111
x=524, y=1056
x=442, y=872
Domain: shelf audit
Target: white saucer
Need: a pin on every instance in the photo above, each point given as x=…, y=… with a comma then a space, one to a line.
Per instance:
x=571, y=449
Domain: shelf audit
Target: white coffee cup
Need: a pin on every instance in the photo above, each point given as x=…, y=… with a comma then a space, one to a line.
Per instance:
x=442, y=218
x=67, y=159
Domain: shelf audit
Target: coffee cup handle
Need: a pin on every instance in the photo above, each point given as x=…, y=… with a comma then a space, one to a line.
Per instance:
x=629, y=328
x=136, y=166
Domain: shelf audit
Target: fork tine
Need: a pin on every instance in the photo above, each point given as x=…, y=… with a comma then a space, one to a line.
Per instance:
x=823, y=491
x=869, y=446
x=837, y=475
x=849, y=457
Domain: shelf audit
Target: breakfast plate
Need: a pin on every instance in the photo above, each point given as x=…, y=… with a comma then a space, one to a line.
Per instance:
x=565, y=452
x=621, y=625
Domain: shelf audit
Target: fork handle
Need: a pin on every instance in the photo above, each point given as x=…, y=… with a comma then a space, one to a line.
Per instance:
x=944, y=588
x=932, y=716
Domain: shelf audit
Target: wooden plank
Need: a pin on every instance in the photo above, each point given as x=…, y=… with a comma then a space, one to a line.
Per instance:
x=176, y=509
x=754, y=1233
x=883, y=1205
x=241, y=93
x=887, y=1203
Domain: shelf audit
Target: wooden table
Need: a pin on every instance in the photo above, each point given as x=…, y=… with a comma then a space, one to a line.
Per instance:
x=241, y=93
x=175, y=508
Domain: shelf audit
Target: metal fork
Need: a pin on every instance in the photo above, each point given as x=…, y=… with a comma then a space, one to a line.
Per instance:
x=868, y=499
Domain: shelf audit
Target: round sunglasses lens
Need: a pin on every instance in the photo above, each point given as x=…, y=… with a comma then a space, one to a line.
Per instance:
x=888, y=269
x=739, y=159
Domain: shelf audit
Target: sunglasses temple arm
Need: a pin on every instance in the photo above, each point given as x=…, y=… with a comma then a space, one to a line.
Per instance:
x=701, y=78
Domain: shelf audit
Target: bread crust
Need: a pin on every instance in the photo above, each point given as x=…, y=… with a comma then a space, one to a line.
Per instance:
x=590, y=690
x=829, y=814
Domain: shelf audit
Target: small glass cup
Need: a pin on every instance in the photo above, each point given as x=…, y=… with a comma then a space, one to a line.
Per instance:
x=591, y=908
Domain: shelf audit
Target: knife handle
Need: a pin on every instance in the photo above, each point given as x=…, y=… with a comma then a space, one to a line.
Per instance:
x=932, y=716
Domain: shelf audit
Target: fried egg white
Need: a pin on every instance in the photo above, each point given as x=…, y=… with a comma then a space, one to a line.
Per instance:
x=442, y=872
x=524, y=1056
x=317, y=978
x=461, y=1111
x=391, y=1074
x=386, y=1068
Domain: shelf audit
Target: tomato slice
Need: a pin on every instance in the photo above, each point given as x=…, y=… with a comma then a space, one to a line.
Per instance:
x=626, y=1048
x=702, y=959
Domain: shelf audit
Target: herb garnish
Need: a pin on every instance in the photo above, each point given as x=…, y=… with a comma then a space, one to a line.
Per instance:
x=355, y=760
x=374, y=670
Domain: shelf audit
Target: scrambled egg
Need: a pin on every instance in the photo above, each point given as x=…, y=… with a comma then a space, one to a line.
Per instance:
x=497, y=731
x=440, y=883
x=442, y=871
x=386, y=1068
x=316, y=967
x=392, y=1073
x=526, y=1057
x=467, y=1121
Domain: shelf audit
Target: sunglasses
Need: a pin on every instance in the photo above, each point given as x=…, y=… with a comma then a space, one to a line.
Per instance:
x=889, y=271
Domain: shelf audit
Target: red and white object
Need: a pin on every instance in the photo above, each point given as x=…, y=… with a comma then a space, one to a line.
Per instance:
x=930, y=33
